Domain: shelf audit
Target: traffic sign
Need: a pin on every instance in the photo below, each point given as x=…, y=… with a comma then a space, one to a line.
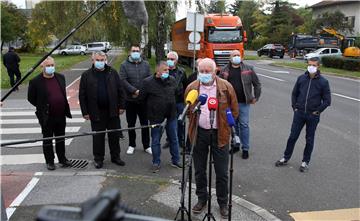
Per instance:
x=193, y=18
x=191, y=46
x=196, y=36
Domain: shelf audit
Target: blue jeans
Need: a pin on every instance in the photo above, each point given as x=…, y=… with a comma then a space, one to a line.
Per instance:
x=242, y=125
x=300, y=119
x=156, y=134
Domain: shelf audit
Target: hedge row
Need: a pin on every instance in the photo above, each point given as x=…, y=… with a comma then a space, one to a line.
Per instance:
x=341, y=63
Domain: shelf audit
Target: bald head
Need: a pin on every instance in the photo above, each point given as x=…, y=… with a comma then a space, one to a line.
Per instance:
x=207, y=65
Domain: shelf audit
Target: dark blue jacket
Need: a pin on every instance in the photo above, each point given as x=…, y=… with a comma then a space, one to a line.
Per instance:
x=311, y=95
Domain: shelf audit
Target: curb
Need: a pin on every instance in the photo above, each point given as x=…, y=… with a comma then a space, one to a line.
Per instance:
x=241, y=202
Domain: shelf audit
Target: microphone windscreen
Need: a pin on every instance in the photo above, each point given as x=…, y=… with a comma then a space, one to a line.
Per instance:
x=229, y=117
x=213, y=103
x=203, y=98
x=192, y=97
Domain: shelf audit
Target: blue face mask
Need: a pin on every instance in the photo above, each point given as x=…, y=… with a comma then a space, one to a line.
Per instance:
x=50, y=70
x=135, y=55
x=236, y=60
x=170, y=63
x=99, y=65
x=164, y=75
x=205, y=78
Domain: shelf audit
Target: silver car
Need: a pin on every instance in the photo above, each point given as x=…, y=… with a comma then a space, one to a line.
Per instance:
x=323, y=52
x=73, y=49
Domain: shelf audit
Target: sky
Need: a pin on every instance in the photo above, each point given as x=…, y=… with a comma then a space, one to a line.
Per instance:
x=183, y=7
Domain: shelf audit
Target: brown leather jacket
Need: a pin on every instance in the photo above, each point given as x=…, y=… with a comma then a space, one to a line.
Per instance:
x=227, y=98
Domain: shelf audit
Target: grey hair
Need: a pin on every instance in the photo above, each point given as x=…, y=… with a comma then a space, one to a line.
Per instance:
x=159, y=64
x=49, y=58
x=174, y=53
x=100, y=53
x=208, y=61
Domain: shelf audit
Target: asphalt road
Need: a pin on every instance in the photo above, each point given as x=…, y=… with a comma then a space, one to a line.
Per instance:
x=331, y=183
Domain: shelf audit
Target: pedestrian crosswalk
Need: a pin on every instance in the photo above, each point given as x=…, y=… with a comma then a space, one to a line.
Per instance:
x=23, y=125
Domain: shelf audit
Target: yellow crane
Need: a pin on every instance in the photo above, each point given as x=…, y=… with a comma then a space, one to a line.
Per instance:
x=347, y=44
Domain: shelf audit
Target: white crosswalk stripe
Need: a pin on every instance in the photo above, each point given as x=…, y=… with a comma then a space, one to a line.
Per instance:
x=35, y=121
x=28, y=113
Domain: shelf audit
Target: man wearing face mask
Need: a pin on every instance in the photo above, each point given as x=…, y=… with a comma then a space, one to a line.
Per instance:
x=310, y=97
x=133, y=71
x=47, y=93
x=181, y=83
x=102, y=100
x=159, y=93
x=244, y=79
x=211, y=85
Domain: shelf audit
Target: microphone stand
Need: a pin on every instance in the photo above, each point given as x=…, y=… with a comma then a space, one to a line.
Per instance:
x=209, y=215
x=233, y=146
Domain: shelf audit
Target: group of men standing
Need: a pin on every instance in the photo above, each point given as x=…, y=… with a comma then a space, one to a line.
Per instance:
x=155, y=97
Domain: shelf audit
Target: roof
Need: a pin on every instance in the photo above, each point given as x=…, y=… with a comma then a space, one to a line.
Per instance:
x=324, y=4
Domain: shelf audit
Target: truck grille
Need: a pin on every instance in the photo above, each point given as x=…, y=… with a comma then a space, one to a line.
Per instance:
x=221, y=58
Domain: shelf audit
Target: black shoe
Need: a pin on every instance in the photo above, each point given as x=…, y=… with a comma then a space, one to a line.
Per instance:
x=121, y=136
x=166, y=145
x=50, y=166
x=65, y=163
x=98, y=164
x=304, y=167
x=118, y=161
x=155, y=168
x=224, y=212
x=245, y=154
x=281, y=162
x=199, y=207
x=176, y=165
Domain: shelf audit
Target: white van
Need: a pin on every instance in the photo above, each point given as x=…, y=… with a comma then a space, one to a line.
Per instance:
x=98, y=46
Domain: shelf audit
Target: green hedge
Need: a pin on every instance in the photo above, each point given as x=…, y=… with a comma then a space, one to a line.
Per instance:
x=341, y=63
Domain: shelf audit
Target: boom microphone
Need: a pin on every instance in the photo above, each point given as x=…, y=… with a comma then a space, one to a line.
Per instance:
x=190, y=99
x=212, y=106
x=201, y=101
x=235, y=143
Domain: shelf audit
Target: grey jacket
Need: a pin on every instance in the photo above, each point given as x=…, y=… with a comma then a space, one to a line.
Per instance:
x=132, y=75
x=249, y=80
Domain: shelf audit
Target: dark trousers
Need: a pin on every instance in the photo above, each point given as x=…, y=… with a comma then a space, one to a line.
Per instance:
x=55, y=126
x=105, y=122
x=133, y=110
x=300, y=119
x=221, y=161
x=14, y=73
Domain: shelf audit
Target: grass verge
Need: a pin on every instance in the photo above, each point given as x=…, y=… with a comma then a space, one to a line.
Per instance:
x=326, y=70
x=28, y=60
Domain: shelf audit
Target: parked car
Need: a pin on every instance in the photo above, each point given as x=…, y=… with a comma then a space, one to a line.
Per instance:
x=73, y=49
x=98, y=46
x=323, y=52
x=272, y=50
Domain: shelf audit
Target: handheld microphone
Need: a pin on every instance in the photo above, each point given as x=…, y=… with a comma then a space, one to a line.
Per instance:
x=212, y=106
x=201, y=101
x=190, y=99
x=235, y=142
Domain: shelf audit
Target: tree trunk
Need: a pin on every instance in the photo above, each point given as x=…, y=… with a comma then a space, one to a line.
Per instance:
x=148, y=50
x=161, y=31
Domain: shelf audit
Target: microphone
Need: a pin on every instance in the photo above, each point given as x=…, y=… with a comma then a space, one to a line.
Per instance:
x=212, y=106
x=190, y=99
x=201, y=101
x=235, y=142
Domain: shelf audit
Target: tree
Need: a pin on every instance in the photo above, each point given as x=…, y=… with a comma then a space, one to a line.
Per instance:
x=234, y=7
x=246, y=14
x=308, y=26
x=13, y=23
x=335, y=20
x=216, y=6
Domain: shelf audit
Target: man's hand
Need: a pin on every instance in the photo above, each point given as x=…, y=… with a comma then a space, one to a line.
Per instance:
x=136, y=94
x=253, y=101
x=87, y=117
x=121, y=111
x=226, y=75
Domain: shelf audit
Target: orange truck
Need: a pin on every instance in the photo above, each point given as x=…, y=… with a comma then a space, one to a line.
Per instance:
x=222, y=34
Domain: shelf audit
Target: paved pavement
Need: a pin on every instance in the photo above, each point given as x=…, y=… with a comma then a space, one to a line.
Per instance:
x=27, y=185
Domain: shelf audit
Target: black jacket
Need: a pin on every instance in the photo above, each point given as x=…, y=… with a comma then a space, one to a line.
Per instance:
x=181, y=83
x=311, y=95
x=132, y=75
x=160, y=98
x=11, y=60
x=88, y=93
x=37, y=96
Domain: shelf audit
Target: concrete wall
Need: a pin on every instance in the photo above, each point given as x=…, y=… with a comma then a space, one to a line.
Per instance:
x=348, y=9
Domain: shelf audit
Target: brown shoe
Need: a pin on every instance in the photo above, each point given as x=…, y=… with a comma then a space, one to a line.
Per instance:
x=199, y=207
x=224, y=212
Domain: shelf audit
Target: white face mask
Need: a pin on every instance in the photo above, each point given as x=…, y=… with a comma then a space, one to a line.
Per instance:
x=311, y=69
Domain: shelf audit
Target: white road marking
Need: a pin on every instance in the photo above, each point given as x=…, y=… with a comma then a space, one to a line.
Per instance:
x=35, y=144
x=351, y=98
x=29, y=113
x=273, y=78
x=79, y=69
x=33, y=130
x=21, y=159
x=73, y=82
x=18, y=200
x=35, y=121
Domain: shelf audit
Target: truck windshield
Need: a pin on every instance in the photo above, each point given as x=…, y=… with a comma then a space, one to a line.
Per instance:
x=224, y=36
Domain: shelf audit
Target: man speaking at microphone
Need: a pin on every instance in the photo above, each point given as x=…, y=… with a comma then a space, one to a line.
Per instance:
x=211, y=85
